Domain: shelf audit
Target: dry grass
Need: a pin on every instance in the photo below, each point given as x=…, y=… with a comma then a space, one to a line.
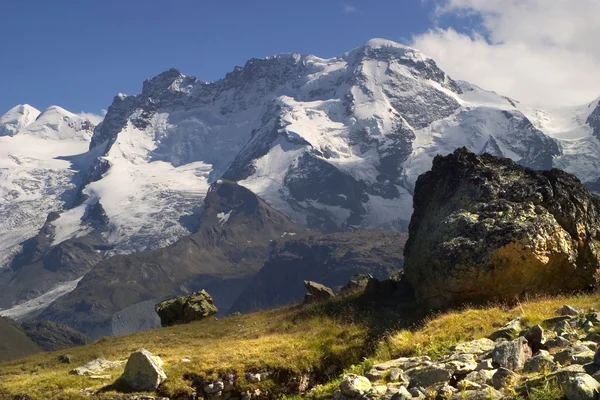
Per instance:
x=438, y=333
x=286, y=339
x=289, y=339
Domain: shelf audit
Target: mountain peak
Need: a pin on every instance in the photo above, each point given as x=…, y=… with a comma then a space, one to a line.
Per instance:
x=17, y=118
x=162, y=82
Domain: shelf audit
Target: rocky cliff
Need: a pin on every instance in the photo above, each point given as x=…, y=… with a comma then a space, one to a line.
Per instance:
x=485, y=228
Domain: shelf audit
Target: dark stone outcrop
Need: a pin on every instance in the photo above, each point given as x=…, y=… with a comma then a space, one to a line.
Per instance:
x=486, y=228
x=184, y=309
x=316, y=292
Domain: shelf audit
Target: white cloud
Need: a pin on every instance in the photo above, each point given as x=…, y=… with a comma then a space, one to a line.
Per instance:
x=93, y=117
x=542, y=52
x=350, y=9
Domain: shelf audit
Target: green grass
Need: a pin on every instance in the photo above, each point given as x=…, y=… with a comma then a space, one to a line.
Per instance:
x=342, y=333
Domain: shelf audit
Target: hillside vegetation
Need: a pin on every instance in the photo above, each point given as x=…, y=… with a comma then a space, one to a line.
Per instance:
x=328, y=339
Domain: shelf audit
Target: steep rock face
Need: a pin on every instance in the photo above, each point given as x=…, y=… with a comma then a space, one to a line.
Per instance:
x=330, y=259
x=235, y=231
x=485, y=228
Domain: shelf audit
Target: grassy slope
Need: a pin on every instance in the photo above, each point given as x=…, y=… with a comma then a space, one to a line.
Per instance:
x=14, y=343
x=289, y=339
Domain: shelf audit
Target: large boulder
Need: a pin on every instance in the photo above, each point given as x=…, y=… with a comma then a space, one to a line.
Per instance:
x=183, y=309
x=143, y=372
x=486, y=228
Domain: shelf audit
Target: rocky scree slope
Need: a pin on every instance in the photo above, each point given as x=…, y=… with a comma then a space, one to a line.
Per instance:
x=333, y=143
x=486, y=228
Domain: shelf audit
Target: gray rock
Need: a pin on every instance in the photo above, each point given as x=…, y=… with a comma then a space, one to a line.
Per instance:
x=403, y=363
x=143, y=371
x=478, y=346
x=584, y=357
x=486, y=364
x=397, y=375
x=535, y=338
x=95, y=367
x=504, y=378
x=353, y=385
x=557, y=343
x=317, y=292
x=65, y=358
x=541, y=362
x=568, y=310
x=429, y=376
x=398, y=393
x=509, y=331
x=481, y=394
x=461, y=364
x=581, y=387
x=563, y=328
x=444, y=391
x=214, y=388
x=512, y=355
x=482, y=377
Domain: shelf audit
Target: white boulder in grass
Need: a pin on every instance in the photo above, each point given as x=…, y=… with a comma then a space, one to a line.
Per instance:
x=143, y=371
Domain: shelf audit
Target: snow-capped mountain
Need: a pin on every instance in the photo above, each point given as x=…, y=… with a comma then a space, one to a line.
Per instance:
x=38, y=167
x=332, y=143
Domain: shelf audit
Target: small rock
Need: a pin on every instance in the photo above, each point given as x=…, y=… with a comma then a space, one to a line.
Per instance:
x=65, y=359
x=541, y=362
x=376, y=392
x=504, y=378
x=535, y=338
x=397, y=375
x=563, y=328
x=95, y=367
x=354, y=385
x=478, y=346
x=214, y=388
x=581, y=387
x=583, y=357
x=482, y=377
x=429, y=376
x=444, y=391
x=509, y=331
x=143, y=371
x=317, y=292
x=403, y=363
x=398, y=393
x=557, y=343
x=512, y=355
x=185, y=360
x=485, y=364
x=481, y=394
x=568, y=310
x=184, y=309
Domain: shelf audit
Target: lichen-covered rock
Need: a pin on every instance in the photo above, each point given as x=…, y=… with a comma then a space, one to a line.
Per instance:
x=509, y=331
x=353, y=385
x=184, y=309
x=478, y=346
x=429, y=376
x=95, y=367
x=317, y=292
x=581, y=387
x=143, y=371
x=512, y=355
x=505, y=378
x=541, y=362
x=569, y=310
x=486, y=228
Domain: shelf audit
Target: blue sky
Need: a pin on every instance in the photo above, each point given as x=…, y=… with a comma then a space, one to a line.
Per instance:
x=80, y=53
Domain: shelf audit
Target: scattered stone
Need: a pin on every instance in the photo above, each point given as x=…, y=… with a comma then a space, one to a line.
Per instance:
x=143, y=371
x=184, y=309
x=512, y=355
x=397, y=375
x=403, y=363
x=585, y=357
x=551, y=322
x=466, y=384
x=429, y=376
x=509, y=331
x=444, y=391
x=214, y=388
x=478, y=346
x=485, y=364
x=535, y=338
x=399, y=393
x=65, y=359
x=354, y=385
x=581, y=387
x=504, y=378
x=356, y=284
x=541, y=362
x=568, y=310
x=482, y=377
x=488, y=393
x=461, y=364
x=95, y=367
x=317, y=292
x=557, y=343
x=564, y=328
